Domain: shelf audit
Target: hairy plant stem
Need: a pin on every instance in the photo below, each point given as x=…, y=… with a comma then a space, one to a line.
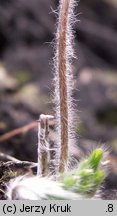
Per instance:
x=63, y=85
x=63, y=68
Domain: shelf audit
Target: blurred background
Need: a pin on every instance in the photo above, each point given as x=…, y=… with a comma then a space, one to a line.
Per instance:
x=27, y=30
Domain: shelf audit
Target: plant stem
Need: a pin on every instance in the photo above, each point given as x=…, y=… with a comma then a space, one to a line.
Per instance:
x=64, y=53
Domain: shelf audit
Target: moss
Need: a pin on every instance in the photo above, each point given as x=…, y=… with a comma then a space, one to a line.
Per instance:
x=7, y=175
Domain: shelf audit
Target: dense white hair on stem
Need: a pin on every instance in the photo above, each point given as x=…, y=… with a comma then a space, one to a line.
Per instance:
x=35, y=188
x=63, y=80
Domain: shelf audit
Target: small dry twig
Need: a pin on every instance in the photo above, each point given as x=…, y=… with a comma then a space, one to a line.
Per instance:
x=4, y=157
x=43, y=147
x=17, y=131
